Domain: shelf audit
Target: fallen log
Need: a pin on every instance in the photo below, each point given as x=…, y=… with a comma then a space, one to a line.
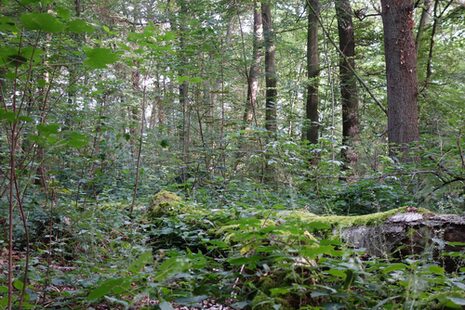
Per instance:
x=395, y=234
x=441, y=236
x=399, y=233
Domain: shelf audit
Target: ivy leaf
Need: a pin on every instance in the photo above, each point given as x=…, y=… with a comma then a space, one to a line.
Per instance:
x=41, y=21
x=99, y=58
x=79, y=26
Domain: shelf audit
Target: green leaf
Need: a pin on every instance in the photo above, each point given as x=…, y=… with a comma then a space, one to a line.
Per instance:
x=26, y=119
x=79, y=26
x=337, y=273
x=164, y=305
x=76, y=139
x=9, y=116
x=171, y=266
x=117, y=286
x=249, y=261
x=140, y=262
x=457, y=300
x=41, y=21
x=280, y=291
x=7, y=24
x=18, y=284
x=394, y=267
x=9, y=55
x=99, y=58
x=168, y=36
x=313, y=252
x=63, y=12
x=436, y=269
x=48, y=129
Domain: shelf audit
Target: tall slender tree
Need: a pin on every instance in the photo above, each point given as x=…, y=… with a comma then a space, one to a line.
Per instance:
x=184, y=86
x=313, y=72
x=270, y=69
x=401, y=73
x=424, y=18
x=254, y=70
x=348, y=80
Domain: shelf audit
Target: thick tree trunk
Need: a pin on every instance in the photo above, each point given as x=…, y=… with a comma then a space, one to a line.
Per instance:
x=254, y=71
x=270, y=70
x=348, y=80
x=401, y=73
x=313, y=72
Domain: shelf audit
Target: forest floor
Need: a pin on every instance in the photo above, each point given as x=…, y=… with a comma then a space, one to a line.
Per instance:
x=181, y=255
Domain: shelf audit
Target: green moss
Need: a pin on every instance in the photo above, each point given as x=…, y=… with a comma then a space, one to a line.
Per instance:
x=164, y=203
x=349, y=221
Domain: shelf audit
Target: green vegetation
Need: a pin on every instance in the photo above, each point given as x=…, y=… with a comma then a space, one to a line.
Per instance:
x=156, y=154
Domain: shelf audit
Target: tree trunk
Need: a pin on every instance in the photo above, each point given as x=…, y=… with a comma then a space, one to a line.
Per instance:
x=429, y=64
x=425, y=16
x=184, y=86
x=270, y=70
x=313, y=72
x=401, y=73
x=254, y=71
x=185, y=134
x=348, y=81
x=134, y=114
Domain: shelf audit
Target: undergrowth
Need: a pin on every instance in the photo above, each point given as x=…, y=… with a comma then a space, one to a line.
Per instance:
x=247, y=257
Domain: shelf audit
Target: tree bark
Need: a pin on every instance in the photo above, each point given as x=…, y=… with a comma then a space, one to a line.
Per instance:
x=313, y=72
x=254, y=71
x=270, y=70
x=401, y=73
x=348, y=80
